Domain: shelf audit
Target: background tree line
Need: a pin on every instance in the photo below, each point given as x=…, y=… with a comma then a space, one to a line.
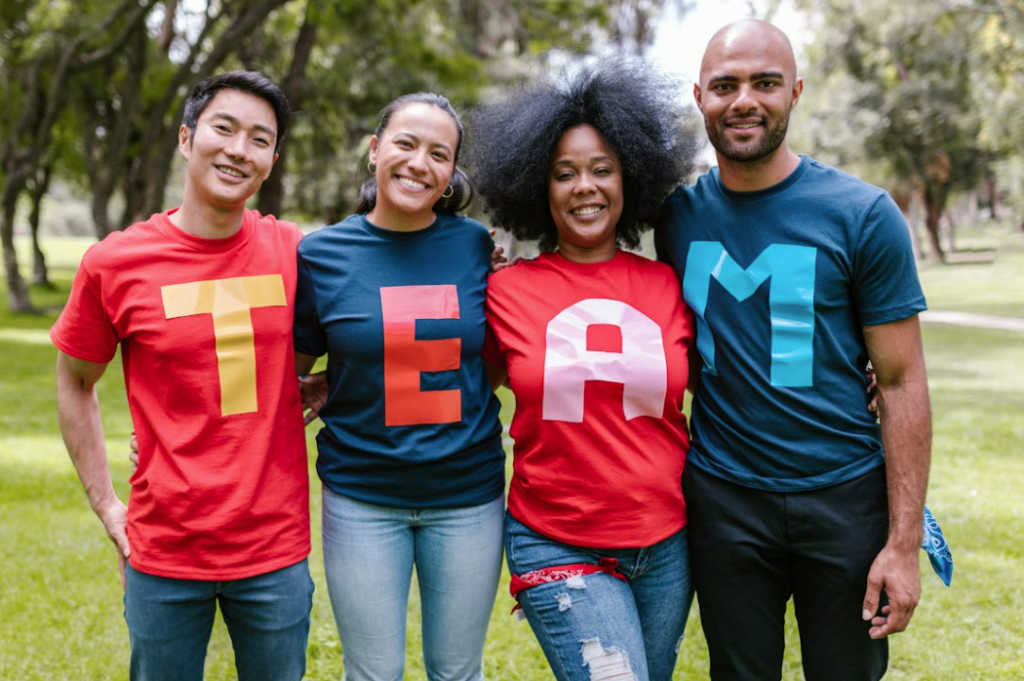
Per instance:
x=923, y=97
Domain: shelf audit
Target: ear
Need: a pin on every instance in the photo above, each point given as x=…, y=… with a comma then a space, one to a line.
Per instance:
x=798, y=88
x=271, y=168
x=697, y=97
x=184, y=141
x=373, y=149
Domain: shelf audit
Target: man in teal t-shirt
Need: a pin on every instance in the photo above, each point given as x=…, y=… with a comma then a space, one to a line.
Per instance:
x=799, y=275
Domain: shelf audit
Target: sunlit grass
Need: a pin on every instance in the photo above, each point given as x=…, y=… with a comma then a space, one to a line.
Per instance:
x=61, y=598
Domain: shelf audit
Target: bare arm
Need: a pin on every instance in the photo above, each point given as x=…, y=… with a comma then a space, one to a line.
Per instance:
x=897, y=356
x=312, y=388
x=79, y=415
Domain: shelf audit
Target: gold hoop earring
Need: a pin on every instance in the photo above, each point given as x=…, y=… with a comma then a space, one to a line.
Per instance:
x=372, y=167
x=448, y=193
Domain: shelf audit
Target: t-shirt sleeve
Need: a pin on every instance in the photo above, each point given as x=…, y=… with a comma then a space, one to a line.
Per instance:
x=886, y=287
x=84, y=329
x=491, y=351
x=309, y=334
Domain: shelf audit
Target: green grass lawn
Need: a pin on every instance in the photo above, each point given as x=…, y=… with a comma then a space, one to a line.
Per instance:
x=59, y=590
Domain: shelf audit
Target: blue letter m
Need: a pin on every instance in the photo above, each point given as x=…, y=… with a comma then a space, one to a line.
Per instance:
x=790, y=300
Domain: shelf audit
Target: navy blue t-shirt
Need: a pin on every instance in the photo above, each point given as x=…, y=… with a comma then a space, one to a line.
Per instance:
x=782, y=282
x=410, y=420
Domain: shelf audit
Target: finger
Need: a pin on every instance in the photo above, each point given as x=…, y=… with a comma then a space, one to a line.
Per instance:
x=121, y=569
x=309, y=417
x=871, y=598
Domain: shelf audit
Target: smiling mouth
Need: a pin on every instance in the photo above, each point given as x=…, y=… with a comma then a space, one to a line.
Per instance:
x=233, y=172
x=411, y=183
x=585, y=211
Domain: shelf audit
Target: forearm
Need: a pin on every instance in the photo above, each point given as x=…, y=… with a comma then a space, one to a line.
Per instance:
x=81, y=427
x=906, y=438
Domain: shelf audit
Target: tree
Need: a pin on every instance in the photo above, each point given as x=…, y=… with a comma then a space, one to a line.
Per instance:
x=45, y=46
x=911, y=73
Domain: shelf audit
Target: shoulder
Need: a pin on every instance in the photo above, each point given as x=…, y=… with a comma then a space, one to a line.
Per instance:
x=330, y=234
x=120, y=249
x=833, y=180
x=458, y=225
x=270, y=226
x=653, y=269
x=519, y=274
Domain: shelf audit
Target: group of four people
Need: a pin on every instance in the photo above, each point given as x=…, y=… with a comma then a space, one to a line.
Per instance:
x=794, y=276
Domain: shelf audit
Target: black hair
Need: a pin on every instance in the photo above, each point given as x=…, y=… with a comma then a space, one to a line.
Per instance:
x=638, y=112
x=251, y=82
x=462, y=189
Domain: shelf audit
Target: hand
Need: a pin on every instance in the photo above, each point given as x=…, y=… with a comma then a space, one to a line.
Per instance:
x=133, y=454
x=314, y=395
x=498, y=259
x=872, y=389
x=898, y=574
x=114, y=516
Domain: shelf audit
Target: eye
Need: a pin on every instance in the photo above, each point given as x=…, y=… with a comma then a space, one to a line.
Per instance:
x=405, y=144
x=220, y=127
x=262, y=141
x=603, y=171
x=440, y=156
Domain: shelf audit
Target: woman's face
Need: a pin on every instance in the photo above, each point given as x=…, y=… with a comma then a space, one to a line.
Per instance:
x=585, y=195
x=415, y=159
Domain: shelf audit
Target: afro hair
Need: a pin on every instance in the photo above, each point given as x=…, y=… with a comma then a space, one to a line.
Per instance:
x=638, y=112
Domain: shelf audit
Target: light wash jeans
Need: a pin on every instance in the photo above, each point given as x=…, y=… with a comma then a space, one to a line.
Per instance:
x=369, y=554
x=267, y=617
x=599, y=627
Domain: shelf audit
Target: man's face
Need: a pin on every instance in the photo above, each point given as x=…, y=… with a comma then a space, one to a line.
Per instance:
x=747, y=89
x=231, y=151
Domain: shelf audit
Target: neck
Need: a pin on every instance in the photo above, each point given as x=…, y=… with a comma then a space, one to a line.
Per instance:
x=206, y=221
x=400, y=222
x=750, y=176
x=581, y=254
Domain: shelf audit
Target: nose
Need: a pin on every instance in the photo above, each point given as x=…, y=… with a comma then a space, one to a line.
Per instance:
x=418, y=160
x=237, y=147
x=584, y=183
x=744, y=99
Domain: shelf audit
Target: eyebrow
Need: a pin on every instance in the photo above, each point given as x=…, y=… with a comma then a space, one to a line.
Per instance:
x=592, y=159
x=760, y=75
x=233, y=119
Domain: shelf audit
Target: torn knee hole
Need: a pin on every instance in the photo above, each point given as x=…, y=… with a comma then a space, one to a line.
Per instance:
x=606, y=664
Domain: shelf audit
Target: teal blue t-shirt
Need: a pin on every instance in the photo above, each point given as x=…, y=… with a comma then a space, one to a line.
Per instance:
x=410, y=420
x=782, y=282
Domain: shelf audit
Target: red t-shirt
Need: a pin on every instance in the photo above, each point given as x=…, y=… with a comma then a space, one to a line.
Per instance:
x=597, y=357
x=205, y=329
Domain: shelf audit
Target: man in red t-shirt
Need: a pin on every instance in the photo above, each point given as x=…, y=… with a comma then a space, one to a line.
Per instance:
x=200, y=300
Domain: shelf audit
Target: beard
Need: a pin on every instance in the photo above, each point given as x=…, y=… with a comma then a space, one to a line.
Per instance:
x=747, y=152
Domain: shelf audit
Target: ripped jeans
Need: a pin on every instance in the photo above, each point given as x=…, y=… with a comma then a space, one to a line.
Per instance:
x=598, y=627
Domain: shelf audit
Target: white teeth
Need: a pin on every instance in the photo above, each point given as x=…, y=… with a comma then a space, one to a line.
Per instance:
x=231, y=171
x=587, y=210
x=412, y=183
x=745, y=126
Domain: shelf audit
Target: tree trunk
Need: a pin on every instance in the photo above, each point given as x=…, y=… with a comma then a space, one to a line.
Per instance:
x=40, y=273
x=17, y=293
x=933, y=213
x=271, y=196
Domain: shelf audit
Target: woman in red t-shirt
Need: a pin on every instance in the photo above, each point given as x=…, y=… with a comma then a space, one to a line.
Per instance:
x=595, y=344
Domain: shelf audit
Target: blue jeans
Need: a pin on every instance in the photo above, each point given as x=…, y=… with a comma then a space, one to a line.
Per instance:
x=599, y=627
x=170, y=620
x=369, y=554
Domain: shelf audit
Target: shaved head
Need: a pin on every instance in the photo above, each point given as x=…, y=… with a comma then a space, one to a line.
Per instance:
x=748, y=36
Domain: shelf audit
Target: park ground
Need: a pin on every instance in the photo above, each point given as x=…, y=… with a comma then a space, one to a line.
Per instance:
x=60, y=594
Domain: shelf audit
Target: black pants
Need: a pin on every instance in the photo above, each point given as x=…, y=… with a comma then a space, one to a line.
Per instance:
x=751, y=551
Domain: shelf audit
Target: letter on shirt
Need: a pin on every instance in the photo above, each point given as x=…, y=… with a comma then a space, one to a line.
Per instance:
x=230, y=302
x=405, y=358
x=790, y=300
x=640, y=367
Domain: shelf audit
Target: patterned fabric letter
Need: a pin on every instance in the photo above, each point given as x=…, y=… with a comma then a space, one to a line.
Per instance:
x=790, y=299
x=229, y=301
x=405, y=358
x=641, y=367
